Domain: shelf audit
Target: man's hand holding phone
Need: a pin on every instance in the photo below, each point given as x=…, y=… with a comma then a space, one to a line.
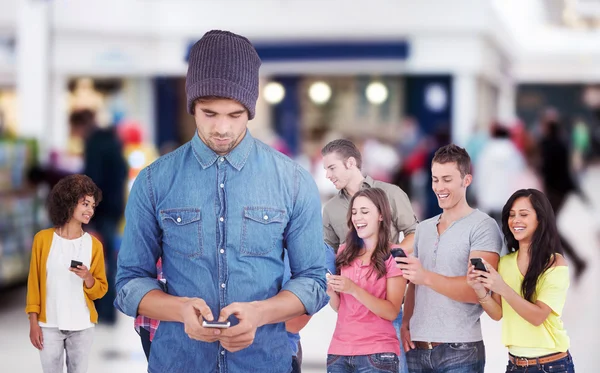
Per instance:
x=242, y=335
x=194, y=310
x=413, y=270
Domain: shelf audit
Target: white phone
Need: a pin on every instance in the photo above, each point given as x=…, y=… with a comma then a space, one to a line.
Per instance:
x=216, y=324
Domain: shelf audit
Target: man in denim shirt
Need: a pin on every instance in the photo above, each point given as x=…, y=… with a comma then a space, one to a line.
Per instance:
x=219, y=211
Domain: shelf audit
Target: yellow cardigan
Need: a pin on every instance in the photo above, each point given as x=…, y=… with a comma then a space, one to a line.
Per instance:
x=36, y=283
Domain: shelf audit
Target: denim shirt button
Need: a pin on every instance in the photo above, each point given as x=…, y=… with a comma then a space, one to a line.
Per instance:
x=266, y=217
x=223, y=352
x=221, y=219
x=223, y=286
x=179, y=220
x=222, y=251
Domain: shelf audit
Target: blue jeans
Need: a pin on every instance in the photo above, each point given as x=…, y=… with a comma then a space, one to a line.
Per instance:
x=297, y=360
x=402, y=366
x=108, y=229
x=448, y=358
x=386, y=362
x=564, y=365
x=146, y=343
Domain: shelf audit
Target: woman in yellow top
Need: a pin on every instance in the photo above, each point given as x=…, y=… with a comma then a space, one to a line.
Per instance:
x=530, y=288
x=66, y=275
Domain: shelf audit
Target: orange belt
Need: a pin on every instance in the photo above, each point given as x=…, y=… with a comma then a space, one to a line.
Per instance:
x=532, y=361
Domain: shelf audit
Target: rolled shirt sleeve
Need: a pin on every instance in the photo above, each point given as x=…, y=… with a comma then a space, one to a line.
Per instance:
x=140, y=248
x=304, y=242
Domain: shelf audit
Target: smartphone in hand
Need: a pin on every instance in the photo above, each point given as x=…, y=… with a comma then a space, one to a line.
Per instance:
x=478, y=264
x=216, y=324
x=75, y=263
x=398, y=253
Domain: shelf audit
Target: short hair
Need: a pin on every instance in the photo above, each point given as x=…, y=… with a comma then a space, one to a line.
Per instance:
x=82, y=118
x=213, y=98
x=345, y=148
x=454, y=153
x=66, y=194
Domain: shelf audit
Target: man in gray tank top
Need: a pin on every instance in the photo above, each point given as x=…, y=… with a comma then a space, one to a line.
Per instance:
x=441, y=331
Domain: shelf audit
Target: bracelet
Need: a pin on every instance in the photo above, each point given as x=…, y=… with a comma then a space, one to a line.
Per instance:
x=485, y=296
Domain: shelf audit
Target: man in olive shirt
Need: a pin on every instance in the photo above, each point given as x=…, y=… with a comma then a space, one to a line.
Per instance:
x=342, y=161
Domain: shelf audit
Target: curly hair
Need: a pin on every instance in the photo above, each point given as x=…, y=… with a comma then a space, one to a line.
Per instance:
x=66, y=194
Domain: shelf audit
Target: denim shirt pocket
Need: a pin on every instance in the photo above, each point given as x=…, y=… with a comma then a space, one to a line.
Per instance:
x=262, y=227
x=182, y=231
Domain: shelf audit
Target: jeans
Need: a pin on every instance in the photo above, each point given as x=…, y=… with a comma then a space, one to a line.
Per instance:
x=386, y=362
x=77, y=344
x=564, y=365
x=146, y=343
x=297, y=360
x=402, y=366
x=448, y=358
x=108, y=228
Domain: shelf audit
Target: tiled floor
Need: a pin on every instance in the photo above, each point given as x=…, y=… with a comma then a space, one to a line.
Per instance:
x=117, y=349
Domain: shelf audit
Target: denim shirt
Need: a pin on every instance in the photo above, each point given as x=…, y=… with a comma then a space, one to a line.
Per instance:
x=293, y=338
x=220, y=224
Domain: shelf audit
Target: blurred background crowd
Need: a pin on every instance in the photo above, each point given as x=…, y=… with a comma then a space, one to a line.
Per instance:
x=515, y=82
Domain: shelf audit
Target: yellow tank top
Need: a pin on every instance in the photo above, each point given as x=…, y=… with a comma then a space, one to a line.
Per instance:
x=521, y=337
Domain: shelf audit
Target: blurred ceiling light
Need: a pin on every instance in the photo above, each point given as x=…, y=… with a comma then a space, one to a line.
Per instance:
x=376, y=93
x=274, y=93
x=136, y=159
x=436, y=97
x=319, y=92
x=591, y=97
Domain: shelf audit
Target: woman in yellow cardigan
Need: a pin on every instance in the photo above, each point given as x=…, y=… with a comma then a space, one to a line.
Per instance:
x=66, y=275
x=530, y=287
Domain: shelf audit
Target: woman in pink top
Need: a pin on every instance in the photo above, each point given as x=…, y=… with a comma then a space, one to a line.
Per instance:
x=367, y=295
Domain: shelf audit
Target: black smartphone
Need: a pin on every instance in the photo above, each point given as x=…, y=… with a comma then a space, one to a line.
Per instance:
x=216, y=324
x=75, y=263
x=398, y=253
x=478, y=264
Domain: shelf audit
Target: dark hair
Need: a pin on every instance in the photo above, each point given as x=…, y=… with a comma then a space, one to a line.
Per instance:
x=212, y=98
x=354, y=244
x=82, y=118
x=454, y=153
x=545, y=242
x=345, y=148
x=66, y=194
x=499, y=131
x=553, y=129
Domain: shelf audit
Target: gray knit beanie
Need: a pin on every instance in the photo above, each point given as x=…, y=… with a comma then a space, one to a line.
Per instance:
x=223, y=64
